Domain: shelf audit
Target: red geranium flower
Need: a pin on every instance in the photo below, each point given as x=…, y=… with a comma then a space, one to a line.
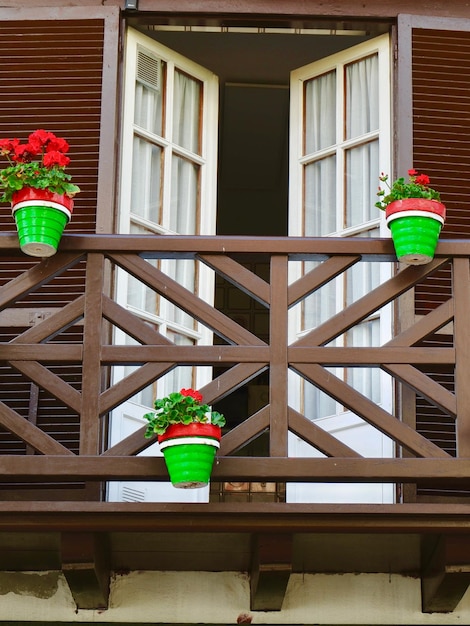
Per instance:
x=192, y=393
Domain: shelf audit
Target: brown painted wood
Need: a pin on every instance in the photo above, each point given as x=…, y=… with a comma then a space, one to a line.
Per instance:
x=429, y=389
x=318, y=277
x=247, y=431
x=31, y=434
x=85, y=565
x=67, y=467
x=362, y=308
x=366, y=409
x=446, y=574
x=270, y=571
x=92, y=340
x=190, y=303
x=461, y=278
x=318, y=437
x=272, y=8
x=246, y=280
x=278, y=370
x=223, y=517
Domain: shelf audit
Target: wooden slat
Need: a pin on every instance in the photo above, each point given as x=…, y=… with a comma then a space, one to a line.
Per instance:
x=362, y=308
x=424, y=385
x=186, y=300
x=248, y=282
x=278, y=370
x=462, y=366
x=92, y=340
x=247, y=431
x=370, y=412
x=319, y=276
x=54, y=384
x=29, y=433
x=318, y=437
x=35, y=277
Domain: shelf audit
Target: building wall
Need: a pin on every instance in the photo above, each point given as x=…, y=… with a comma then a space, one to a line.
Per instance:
x=223, y=598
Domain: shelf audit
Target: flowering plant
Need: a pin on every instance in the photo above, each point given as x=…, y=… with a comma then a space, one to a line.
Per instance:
x=417, y=187
x=180, y=407
x=39, y=163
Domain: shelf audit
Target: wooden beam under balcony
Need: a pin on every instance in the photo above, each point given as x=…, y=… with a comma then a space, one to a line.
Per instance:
x=446, y=572
x=270, y=571
x=85, y=565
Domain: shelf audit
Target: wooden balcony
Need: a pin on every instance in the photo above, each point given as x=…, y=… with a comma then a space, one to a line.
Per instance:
x=49, y=485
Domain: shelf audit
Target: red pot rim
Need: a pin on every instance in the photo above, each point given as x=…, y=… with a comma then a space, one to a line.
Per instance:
x=416, y=204
x=30, y=194
x=195, y=429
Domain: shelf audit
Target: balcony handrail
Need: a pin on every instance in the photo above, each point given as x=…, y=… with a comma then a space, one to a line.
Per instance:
x=31, y=353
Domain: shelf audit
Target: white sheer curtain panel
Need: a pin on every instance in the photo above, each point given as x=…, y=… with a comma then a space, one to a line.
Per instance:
x=320, y=112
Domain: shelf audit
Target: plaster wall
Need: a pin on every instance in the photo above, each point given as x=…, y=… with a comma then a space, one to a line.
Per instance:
x=222, y=597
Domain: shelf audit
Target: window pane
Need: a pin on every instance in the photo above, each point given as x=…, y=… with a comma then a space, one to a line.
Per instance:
x=362, y=174
x=186, y=112
x=184, y=196
x=320, y=197
x=148, y=109
x=139, y=295
x=366, y=380
x=146, y=175
x=320, y=111
x=183, y=271
x=363, y=277
x=362, y=97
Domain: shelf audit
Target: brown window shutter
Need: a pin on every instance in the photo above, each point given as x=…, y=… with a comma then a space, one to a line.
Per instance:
x=52, y=76
x=439, y=59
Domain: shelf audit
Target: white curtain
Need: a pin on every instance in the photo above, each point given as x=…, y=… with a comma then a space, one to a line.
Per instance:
x=362, y=116
x=323, y=204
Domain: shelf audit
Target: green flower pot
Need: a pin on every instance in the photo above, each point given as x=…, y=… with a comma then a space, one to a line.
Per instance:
x=40, y=217
x=415, y=225
x=189, y=452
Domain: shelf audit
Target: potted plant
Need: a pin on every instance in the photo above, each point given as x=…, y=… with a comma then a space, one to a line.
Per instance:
x=415, y=216
x=188, y=434
x=39, y=189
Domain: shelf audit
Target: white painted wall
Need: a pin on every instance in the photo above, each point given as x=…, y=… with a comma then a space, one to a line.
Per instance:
x=220, y=597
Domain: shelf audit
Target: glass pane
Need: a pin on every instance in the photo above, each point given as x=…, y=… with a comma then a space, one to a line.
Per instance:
x=366, y=380
x=320, y=305
x=139, y=296
x=187, y=112
x=362, y=97
x=146, y=180
x=363, y=277
x=148, y=109
x=320, y=112
x=184, y=196
x=320, y=197
x=317, y=403
x=183, y=271
x=362, y=174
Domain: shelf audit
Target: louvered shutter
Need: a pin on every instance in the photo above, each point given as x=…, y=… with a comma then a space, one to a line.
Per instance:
x=52, y=75
x=433, y=127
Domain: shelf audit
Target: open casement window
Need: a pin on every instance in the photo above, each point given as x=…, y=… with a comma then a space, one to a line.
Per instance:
x=433, y=113
x=169, y=145
x=339, y=144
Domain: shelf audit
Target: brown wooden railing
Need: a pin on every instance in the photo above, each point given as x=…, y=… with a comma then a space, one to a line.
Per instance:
x=34, y=354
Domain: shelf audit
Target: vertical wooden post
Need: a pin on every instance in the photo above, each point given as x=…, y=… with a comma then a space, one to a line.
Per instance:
x=91, y=376
x=461, y=293
x=278, y=360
